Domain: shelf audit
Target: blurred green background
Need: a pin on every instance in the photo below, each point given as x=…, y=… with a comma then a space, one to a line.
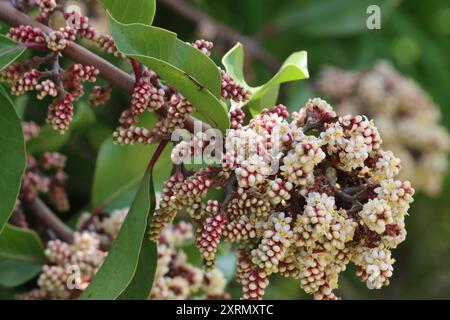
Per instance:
x=414, y=36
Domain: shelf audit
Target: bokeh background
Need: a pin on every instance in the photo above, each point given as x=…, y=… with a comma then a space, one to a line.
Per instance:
x=414, y=37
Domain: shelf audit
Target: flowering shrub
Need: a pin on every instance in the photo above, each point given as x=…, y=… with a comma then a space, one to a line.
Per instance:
x=301, y=195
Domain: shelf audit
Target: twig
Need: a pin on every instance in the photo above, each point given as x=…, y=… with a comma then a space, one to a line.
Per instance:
x=56, y=73
x=159, y=150
x=35, y=46
x=136, y=69
x=79, y=54
x=50, y=220
x=222, y=31
x=229, y=189
x=347, y=198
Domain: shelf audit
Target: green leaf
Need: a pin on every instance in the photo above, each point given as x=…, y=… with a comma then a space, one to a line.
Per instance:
x=294, y=68
x=12, y=157
x=131, y=11
x=21, y=256
x=51, y=140
x=187, y=69
x=9, y=51
x=129, y=268
x=142, y=282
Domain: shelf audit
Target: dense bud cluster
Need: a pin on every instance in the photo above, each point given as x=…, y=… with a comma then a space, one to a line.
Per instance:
x=208, y=237
x=146, y=96
x=151, y=96
x=59, y=40
x=232, y=90
x=107, y=44
x=11, y=73
x=303, y=199
x=44, y=175
x=203, y=45
x=47, y=6
x=71, y=267
x=27, y=34
x=100, y=96
x=60, y=113
x=30, y=130
x=28, y=81
x=187, y=191
x=81, y=24
x=237, y=116
x=65, y=86
x=74, y=77
x=406, y=116
x=46, y=88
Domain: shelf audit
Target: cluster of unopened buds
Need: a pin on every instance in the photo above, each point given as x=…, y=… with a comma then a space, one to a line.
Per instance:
x=44, y=75
x=66, y=86
x=150, y=94
x=303, y=199
x=406, y=116
x=175, y=278
x=44, y=175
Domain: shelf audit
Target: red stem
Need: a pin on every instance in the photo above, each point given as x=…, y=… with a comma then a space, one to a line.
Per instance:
x=79, y=54
x=156, y=155
x=36, y=46
x=136, y=69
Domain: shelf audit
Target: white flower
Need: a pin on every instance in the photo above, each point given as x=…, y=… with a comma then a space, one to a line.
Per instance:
x=376, y=214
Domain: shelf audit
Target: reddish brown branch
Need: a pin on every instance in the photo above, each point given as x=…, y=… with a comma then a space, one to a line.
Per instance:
x=159, y=150
x=230, y=193
x=50, y=220
x=136, y=69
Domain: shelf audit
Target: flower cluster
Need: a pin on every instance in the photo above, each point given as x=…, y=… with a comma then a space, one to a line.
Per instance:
x=59, y=277
x=100, y=96
x=44, y=74
x=44, y=175
x=64, y=86
x=178, y=110
x=47, y=6
x=232, y=90
x=406, y=116
x=151, y=93
x=303, y=199
x=83, y=257
x=203, y=45
x=59, y=40
x=175, y=278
